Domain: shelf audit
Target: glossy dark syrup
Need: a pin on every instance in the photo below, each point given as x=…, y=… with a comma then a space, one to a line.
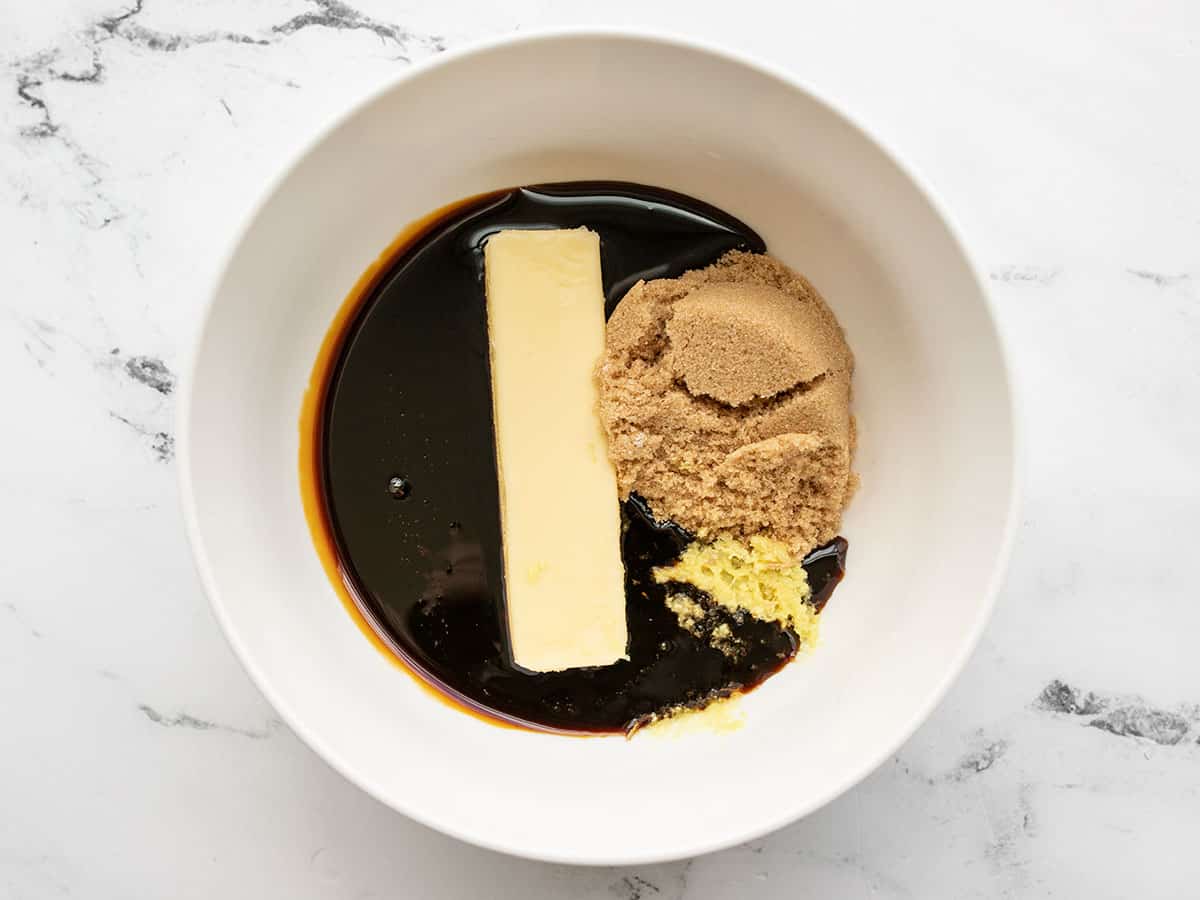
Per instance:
x=408, y=481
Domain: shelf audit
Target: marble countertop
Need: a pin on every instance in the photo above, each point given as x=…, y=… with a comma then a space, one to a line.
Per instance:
x=136, y=759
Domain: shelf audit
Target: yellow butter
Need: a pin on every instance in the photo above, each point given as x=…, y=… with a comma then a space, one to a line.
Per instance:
x=564, y=582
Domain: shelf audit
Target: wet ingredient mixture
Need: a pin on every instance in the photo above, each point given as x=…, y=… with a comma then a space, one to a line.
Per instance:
x=406, y=491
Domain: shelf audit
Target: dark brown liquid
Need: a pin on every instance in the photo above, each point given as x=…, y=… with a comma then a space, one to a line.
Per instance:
x=409, y=480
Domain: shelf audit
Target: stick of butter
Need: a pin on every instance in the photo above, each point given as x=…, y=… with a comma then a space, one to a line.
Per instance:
x=564, y=583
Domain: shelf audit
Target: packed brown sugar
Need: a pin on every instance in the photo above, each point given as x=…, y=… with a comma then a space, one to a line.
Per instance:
x=725, y=395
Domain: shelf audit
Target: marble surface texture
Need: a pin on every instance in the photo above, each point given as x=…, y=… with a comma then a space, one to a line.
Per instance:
x=136, y=759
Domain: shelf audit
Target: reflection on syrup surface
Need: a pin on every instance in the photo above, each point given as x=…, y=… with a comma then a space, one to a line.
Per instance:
x=403, y=496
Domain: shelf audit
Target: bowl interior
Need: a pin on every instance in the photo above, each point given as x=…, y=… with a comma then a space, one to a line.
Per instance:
x=927, y=529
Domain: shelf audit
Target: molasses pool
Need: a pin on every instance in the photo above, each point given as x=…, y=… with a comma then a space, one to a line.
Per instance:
x=401, y=482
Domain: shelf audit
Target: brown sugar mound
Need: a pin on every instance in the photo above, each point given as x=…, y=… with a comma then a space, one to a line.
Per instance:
x=725, y=395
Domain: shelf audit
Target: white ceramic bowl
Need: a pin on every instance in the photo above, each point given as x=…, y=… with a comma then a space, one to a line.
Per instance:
x=929, y=530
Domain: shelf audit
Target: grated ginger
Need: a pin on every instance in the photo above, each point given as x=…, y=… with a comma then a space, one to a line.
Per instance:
x=761, y=577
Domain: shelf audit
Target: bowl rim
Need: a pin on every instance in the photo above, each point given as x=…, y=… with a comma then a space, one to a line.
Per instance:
x=306, y=146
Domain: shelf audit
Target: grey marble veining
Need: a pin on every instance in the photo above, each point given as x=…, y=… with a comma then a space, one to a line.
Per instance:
x=136, y=760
